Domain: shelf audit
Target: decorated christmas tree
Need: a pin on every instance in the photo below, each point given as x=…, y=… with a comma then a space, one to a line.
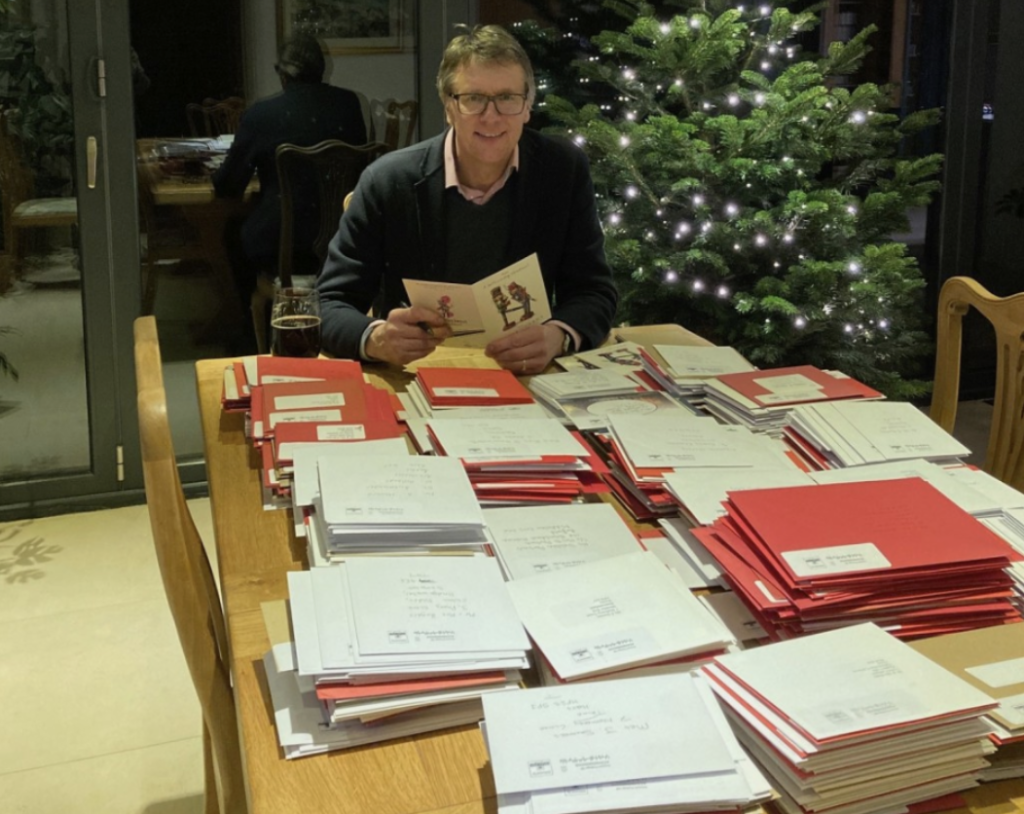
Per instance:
x=748, y=190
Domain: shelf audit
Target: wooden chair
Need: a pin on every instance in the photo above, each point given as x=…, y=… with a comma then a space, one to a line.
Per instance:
x=165, y=237
x=394, y=123
x=336, y=166
x=366, y=108
x=1004, y=457
x=403, y=116
x=188, y=582
x=21, y=209
x=214, y=117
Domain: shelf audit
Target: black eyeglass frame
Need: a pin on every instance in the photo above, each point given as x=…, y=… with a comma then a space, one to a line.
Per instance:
x=523, y=97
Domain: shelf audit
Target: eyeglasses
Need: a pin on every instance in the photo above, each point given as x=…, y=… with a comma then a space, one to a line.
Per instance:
x=473, y=104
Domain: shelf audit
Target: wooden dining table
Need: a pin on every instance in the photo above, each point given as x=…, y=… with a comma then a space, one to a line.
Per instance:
x=192, y=198
x=443, y=772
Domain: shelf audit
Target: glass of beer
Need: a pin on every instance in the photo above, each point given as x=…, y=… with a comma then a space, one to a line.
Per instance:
x=295, y=322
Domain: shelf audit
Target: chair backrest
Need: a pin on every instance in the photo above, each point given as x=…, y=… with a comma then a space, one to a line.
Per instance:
x=185, y=569
x=1004, y=457
x=213, y=117
x=403, y=116
x=394, y=122
x=335, y=168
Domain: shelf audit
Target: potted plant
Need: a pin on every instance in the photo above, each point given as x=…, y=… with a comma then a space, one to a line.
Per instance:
x=37, y=105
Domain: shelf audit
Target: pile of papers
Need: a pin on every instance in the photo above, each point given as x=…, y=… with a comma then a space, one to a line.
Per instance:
x=291, y=403
x=682, y=370
x=519, y=461
x=896, y=552
x=306, y=484
x=543, y=539
x=621, y=356
x=603, y=617
x=388, y=504
x=853, y=721
x=587, y=399
x=1009, y=524
x=648, y=449
x=656, y=744
x=762, y=399
x=853, y=433
x=391, y=646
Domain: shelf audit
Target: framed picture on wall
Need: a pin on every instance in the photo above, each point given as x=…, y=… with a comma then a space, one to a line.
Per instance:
x=345, y=26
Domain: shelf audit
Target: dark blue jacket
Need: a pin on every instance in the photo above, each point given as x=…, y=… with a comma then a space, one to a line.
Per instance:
x=394, y=228
x=304, y=113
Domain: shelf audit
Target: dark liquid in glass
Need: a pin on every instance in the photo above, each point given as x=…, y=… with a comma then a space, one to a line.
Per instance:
x=296, y=336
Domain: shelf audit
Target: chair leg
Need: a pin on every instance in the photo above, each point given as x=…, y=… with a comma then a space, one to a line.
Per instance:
x=211, y=799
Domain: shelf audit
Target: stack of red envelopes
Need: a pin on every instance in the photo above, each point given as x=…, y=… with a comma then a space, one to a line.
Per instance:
x=241, y=376
x=897, y=553
x=309, y=401
x=520, y=461
x=853, y=721
x=470, y=387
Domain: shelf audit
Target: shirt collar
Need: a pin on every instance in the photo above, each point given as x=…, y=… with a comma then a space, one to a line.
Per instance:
x=451, y=176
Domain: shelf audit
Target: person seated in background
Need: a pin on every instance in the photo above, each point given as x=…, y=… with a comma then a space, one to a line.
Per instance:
x=305, y=112
x=462, y=205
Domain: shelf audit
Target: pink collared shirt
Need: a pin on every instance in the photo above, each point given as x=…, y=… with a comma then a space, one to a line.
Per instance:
x=451, y=175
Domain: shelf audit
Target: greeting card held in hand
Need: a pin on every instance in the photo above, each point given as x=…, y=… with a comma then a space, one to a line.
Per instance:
x=506, y=301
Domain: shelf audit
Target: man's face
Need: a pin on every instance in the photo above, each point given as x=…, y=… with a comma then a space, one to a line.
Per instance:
x=484, y=142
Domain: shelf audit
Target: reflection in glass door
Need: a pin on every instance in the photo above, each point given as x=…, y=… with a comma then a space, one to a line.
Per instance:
x=44, y=430
x=59, y=413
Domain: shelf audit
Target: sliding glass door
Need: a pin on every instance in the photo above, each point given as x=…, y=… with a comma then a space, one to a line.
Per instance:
x=69, y=218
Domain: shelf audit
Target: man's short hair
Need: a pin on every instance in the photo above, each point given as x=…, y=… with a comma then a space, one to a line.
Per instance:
x=301, y=59
x=486, y=44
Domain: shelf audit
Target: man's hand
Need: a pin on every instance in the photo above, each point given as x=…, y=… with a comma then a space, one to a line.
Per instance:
x=408, y=334
x=527, y=351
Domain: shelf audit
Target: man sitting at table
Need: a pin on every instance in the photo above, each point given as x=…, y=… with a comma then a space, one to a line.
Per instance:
x=306, y=112
x=462, y=205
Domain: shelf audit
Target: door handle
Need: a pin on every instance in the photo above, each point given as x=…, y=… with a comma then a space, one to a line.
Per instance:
x=91, y=151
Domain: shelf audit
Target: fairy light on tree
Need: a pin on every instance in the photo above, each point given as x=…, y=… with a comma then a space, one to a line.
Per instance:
x=768, y=191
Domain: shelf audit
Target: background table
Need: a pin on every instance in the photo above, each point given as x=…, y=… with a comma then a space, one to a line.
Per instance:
x=192, y=200
x=444, y=772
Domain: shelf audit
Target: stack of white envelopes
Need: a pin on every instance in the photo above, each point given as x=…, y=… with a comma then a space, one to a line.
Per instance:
x=543, y=539
x=854, y=721
x=649, y=449
x=611, y=615
x=654, y=744
x=306, y=724
x=762, y=399
x=586, y=399
x=377, y=503
x=852, y=433
x=683, y=370
x=382, y=643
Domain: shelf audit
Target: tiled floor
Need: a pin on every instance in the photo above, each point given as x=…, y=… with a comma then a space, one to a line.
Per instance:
x=97, y=710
